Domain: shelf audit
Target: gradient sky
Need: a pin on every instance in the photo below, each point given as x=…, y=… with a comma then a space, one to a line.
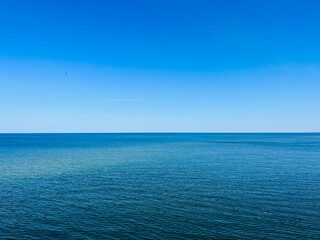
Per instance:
x=159, y=66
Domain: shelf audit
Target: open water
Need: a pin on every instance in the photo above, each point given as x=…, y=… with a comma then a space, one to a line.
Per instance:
x=160, y=186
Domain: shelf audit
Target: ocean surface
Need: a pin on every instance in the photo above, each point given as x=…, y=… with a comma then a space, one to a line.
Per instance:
x=159, y=186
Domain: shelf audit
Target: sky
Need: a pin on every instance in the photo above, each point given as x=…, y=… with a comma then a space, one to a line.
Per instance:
x=159, y=66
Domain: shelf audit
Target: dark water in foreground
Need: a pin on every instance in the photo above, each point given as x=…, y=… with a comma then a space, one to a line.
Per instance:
x=160, y=186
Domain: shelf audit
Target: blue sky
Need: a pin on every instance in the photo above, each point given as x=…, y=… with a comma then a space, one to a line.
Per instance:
x=159, y=66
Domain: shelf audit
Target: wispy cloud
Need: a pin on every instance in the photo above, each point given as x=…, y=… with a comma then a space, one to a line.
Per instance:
x=122, y=100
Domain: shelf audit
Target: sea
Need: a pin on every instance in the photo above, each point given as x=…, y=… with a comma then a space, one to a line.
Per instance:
x=160, y=186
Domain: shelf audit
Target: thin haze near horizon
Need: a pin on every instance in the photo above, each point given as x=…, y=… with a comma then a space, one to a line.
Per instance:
x=159, y=66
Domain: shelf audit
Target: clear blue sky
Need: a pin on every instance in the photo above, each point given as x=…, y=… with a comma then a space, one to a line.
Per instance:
x=159, y=66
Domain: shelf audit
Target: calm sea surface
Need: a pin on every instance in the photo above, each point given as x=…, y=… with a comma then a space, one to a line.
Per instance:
x=160, y=186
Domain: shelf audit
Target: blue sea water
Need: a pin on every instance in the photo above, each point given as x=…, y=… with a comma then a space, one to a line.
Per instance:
x=160, y=186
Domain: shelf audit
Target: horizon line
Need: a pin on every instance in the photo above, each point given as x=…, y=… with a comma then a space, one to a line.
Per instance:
x=192, y=132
